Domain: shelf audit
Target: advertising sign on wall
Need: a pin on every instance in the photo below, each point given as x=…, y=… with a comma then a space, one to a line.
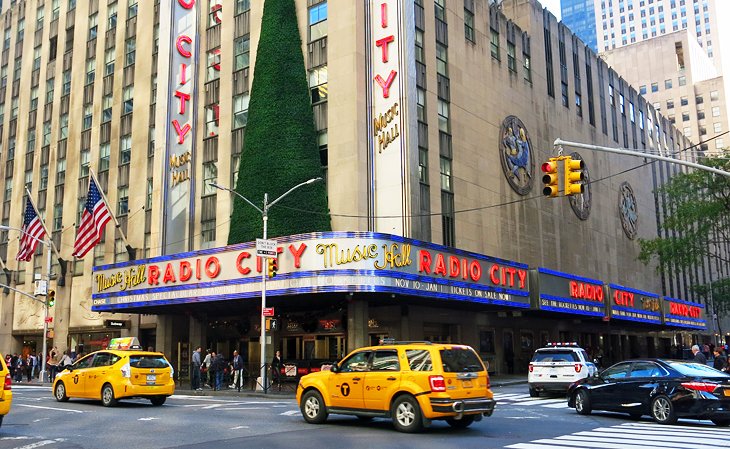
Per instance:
x=680, y=313
x=634, y=305
x=313, y=263
x=567, y=293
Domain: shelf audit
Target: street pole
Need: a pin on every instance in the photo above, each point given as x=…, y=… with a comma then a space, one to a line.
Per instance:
x=45, y=312
x=262, y=337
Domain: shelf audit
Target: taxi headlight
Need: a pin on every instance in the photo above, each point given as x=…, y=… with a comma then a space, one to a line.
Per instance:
x=126, y=370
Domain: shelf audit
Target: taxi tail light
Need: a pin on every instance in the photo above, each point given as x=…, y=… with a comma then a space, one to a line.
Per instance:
x=578, y=367
x=532, y=367
x=126, y=370
x=700, y=386
x=8, y=382
x=489, y=381
x=437, y=383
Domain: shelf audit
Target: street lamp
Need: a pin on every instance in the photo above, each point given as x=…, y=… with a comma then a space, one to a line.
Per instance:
x=265, y=215
x=47, y=243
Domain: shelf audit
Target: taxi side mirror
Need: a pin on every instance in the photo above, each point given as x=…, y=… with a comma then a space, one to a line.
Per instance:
x=334, y=368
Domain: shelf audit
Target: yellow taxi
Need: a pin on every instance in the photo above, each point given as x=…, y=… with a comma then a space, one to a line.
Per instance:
x=120, y=371
x=6, y=394
x=412, y=383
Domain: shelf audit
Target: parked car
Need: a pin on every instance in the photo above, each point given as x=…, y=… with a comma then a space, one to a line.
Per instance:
x=410, y=382
x=6, y=394
x=663, y=389
x=557, y=366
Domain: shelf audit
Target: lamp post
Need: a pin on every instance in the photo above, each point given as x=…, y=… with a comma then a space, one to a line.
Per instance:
x=47, y=243
x=265, y=215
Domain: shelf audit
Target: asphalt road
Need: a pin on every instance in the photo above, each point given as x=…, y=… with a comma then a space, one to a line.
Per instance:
x=216, y=422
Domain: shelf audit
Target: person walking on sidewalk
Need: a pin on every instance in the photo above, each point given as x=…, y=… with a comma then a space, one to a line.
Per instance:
x=32, y=363
x=207, y=375
x=699, y=356
x=720, y=363
x=237, y=370
x=276, y=370
x=195, y=370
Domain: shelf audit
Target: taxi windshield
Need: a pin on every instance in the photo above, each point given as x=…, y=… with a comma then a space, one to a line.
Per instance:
x=460, y=360
x=147, y=361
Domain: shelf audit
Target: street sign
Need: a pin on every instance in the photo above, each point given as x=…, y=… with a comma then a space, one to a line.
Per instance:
x=268, y=311
x=41, y=287
x=49, y=319
x=266, y=248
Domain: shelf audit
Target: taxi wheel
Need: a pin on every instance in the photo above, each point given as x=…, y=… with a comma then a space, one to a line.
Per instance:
x=107, y=396
x=406, y=414
x=313, y=409
x=662, y=410
x=60, y=392
x=158, y=400
x=582, y=403
x=1, y=420
x=462, y=423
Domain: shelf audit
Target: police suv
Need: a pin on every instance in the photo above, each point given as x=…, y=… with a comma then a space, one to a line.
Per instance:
x=556, y=366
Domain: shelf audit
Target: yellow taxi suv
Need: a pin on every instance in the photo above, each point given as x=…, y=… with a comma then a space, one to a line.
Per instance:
x=118, y=373
x=6, y=394
x=411, y=383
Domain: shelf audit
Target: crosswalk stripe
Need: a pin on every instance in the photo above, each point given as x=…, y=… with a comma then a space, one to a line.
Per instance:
x=562, y=404
x=653, y=436
x=290, y=413
x=595, y=444
x=705, y=430
x=696, y=432
x=543, y=401
x=626, y=442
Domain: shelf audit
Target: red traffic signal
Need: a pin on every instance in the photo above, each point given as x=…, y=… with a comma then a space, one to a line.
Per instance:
x=550, y=178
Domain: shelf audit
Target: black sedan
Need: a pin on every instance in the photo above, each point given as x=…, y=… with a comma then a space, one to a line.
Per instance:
x=664, y=389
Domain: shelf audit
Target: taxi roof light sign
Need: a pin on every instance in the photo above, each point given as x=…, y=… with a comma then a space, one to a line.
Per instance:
x=124, y=343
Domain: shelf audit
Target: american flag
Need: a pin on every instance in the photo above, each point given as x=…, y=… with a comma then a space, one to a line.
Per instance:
x=96, y=214
x=33, y=232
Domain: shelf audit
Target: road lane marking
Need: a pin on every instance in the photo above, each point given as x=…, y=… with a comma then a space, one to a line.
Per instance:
x=239, y=427
x=663, y=442
x=51, y=408
x=290, y=413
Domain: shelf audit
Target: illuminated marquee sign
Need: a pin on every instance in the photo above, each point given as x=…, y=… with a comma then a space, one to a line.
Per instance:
x=387, y=112
x=567, y=293
x=326, y=262
x=181, y=118
x=682, y=313
x=634, y=305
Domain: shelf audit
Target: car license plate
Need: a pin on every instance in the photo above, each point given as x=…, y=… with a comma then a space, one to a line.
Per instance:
x=151, y=379
x=466, y=384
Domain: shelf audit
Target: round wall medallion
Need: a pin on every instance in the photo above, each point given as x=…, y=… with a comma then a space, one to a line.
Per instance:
x=516, y=155
x=581, y=204
x=628, y=210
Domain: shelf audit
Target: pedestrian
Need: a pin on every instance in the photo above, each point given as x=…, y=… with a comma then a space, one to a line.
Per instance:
x=237, y=370
x=206, y=368
x=720, y=363
x=65, y=362
x=195, y=365
x=32, y=362
x=213, y=370
x=699, y=356
x=276, y=369
x=706, y=351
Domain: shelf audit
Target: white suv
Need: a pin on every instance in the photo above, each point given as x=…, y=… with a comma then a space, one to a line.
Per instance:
x=556, y=366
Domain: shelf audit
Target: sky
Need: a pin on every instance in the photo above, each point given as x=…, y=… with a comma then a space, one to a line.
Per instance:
x=553, y=6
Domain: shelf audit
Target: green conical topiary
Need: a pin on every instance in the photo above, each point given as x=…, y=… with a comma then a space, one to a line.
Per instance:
x=280, y=149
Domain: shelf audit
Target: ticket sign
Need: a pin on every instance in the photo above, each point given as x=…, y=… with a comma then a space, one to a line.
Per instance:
x=634, y=305
x=680, y=313
x=567, y=293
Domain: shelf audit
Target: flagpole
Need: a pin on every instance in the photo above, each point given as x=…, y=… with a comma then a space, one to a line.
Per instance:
x=116, y=222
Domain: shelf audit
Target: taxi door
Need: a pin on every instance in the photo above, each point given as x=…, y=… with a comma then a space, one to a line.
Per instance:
x=77, y=377
x=345, y=387
x=383, y=379
x=98, y=373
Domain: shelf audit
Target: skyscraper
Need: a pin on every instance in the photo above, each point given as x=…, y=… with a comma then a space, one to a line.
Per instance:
x=580, y=17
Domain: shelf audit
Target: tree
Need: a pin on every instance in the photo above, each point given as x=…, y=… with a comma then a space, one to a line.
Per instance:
x=280, y=148
x=697, y=227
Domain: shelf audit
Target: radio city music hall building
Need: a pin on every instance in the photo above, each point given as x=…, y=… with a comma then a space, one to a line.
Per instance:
x=432, y=120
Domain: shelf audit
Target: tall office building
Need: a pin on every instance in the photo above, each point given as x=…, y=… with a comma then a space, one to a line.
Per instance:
x=433, y=118
x=580, y=17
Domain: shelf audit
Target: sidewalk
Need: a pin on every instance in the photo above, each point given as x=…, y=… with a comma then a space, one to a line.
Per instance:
x=288, y=390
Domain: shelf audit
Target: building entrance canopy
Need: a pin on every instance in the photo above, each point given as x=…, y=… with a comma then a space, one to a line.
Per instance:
x=313, y=263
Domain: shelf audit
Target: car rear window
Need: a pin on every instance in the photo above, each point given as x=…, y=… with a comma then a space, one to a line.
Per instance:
x=555, y=356
x=460, y=360
x=419, y=359
x=147, y=361
x=696, y=370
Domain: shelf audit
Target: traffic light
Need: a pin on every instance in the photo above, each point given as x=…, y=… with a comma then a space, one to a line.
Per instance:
x=51, y=298
x=573, y=176
x=550, y=178
x=272, y=324
x=272, y=266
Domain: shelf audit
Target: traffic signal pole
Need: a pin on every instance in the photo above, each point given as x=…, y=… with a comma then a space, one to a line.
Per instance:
x=625, y=151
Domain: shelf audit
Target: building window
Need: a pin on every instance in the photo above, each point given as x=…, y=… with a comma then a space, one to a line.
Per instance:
x=442, y=59
x=318, y=84
x=31, y=140
x=423, y=165
x=670, y=104
x=469, y=26
x=46, y=134
x=317, y=21
x=242, y=6
x=719, y=143
x=420, y=55
x=55, y=9
x=37, y=58
x=511, y=59
x=58, y=217
x=130, y=51
x=440, y=9
x=125, y=149
x=214, y=64
x=111, y=16
x=211, y=120
x=104, y=151
x=207, y=232
x=685, y=116
x=93, y=26
x=88, y=116
x=106, y=108
x=642, y=89
x=683, y=101
x=49, y=90
x=210, y=175
x=109, y=57
x=716, y=111
x=717, y=127
x=122, y=200
x=128, y=99
x=84, y=163
x=526, y=68
x=240, y=110
x=443, y=113
x=494, y=43
x=700, y=115
x=682, y=80
x=446, y=181
x=90, y=70
x=66, y=89
x=60, y=172
x=39, y=15
x=668, y=84
x=242, y=49
x=655, y=87
x=421, y=104
x=714, y=95
x=132, y=9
